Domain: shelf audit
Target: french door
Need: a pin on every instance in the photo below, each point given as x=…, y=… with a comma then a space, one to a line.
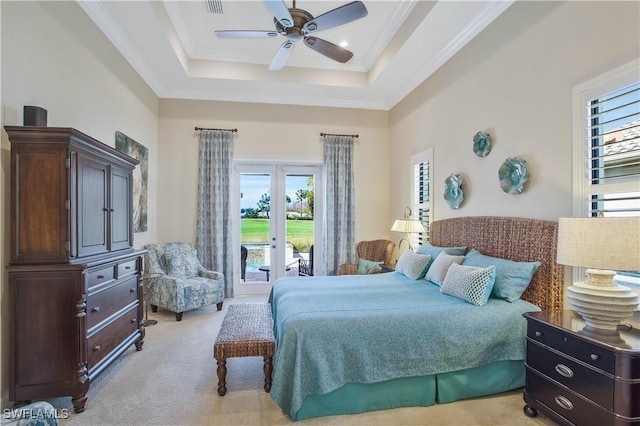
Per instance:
x=280, y=211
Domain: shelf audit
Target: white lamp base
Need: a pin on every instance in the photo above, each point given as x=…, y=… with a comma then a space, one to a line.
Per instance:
x=601, y=302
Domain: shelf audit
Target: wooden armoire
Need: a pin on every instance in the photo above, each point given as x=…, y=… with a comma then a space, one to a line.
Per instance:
x=75, y=288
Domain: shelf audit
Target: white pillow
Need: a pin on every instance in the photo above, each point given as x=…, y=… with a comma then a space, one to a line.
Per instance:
x=469, y=283
x=413, y=265
x=440, y=266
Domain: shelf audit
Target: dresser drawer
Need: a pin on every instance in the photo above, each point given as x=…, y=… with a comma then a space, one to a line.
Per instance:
x=108, y=338
x=109, y=300
x=575, y=409
x=581, y=379
x=127, y=268
x=100, y=276
x=582, y=350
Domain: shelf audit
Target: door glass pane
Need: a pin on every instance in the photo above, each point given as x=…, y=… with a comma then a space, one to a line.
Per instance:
x=255, y=226
x=299, y=222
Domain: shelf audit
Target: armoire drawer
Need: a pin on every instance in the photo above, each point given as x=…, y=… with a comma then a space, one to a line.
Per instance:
x=569, y=405
x=100, y=276
x=586, y=381
x=107, y=339
x=582, y=350
x=127, y=268
x=109, y=300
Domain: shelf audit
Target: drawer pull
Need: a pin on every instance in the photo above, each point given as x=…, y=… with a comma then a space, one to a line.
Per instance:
x=133, y=320
x=595, y=357
x=96, y=348
x=538, y=333
x=100, y=277
x=127, y=267
x=564, y=402
x=563, y=370
x=96, y=309
x=132, y=290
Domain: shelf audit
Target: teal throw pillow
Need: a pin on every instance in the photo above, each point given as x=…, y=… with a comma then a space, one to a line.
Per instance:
x=413, y=265
x=434, y=251
x=512, y=278
x=469, y=283
x=365, y=265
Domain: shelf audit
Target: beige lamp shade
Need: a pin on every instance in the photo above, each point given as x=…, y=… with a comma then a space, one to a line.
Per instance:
x=604, y=245
x=407, y=226
x=600, y=242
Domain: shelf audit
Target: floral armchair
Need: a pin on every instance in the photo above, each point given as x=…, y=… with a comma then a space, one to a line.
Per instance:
x=371, y=254
x=176, y=280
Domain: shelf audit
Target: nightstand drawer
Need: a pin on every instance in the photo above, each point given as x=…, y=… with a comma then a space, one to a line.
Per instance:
x=582, y=350
x=579, y=378
x=565, y=403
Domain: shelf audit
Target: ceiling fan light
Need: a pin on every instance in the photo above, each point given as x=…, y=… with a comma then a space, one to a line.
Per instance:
x=312, y=27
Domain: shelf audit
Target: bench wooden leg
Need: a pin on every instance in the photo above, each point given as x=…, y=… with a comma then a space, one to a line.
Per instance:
x=268, y=372
x=222, y=377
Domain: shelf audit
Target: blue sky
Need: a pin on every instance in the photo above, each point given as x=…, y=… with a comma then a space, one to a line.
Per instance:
x=253, y=186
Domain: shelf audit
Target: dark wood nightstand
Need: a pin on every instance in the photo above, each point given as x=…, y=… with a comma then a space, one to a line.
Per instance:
x=577, y=377
x=387, y=268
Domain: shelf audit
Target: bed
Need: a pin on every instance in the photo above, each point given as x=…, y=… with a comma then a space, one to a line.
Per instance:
x=352, y=344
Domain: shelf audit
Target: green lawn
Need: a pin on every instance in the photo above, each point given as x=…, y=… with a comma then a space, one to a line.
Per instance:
x=299, y=232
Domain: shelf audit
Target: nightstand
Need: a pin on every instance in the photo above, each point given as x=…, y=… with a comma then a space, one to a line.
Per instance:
x=576, y=377
x=387, y=268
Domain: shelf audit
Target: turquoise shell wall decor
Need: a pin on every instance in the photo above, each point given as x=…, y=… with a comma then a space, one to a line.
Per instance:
x=481, y=144
x=513, y=174
x=452, y=191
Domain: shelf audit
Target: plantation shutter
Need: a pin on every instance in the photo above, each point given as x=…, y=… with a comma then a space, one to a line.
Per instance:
x=421, y=193
x=613, y=153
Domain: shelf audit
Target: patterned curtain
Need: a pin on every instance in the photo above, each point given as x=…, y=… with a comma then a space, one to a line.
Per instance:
x=213, y=236
x=339, y=238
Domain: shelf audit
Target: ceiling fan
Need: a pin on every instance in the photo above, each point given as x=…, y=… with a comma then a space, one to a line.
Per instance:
x=296, y=24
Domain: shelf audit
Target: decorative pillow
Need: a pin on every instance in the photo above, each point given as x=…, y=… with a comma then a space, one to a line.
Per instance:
x=365, y=265
x=440, y=266
x=512, y=278
x=469, y=283
x=413, y=265
x=182, y=265
x=434, y=251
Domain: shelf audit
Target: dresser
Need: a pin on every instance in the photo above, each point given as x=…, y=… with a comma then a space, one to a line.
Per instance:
x=75, y=293
x=578, y=377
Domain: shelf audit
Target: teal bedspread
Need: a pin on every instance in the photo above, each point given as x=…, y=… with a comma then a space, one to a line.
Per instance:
x=370, y=328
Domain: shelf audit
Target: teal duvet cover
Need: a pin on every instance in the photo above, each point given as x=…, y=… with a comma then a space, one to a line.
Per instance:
x=366, y=329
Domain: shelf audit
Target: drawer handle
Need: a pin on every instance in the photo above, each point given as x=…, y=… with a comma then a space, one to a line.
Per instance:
x=564, y=402
x=538, y=333
x=595, y=357
x=132, y=290
x=96, y=348
x=133, y=320
x=563, y=370
x=127, y=267
x=96, y=309
x=100, y=277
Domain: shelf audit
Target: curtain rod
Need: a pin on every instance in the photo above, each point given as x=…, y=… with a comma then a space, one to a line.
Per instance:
x=228, y=130
x=334, y=134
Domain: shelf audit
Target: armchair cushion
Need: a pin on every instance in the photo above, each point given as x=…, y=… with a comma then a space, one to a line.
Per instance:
x=182, y=262
x=364, y=266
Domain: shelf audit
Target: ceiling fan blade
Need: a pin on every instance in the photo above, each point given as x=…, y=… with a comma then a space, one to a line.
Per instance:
x=245, y=34
x=338, y=16
x=328, y=49
x=280, y=12
x=281, y=56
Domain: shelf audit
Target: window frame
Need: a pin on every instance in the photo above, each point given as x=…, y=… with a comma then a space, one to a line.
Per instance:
x=416, y=207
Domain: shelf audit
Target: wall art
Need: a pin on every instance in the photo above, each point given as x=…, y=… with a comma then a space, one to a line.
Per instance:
x=135, y=150
x=452, y=191
x=513, y=174
x=481, y=144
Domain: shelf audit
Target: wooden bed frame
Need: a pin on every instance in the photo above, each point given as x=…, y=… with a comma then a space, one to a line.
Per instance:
x=511, y=238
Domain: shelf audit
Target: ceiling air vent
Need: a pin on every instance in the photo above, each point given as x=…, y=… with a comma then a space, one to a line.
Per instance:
x=214, y=6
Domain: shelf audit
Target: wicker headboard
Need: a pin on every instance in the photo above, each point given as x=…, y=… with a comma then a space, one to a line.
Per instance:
x=512, y=238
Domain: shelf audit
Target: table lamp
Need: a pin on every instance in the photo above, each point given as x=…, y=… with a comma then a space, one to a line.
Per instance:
x=604, y=245
x=408, y=226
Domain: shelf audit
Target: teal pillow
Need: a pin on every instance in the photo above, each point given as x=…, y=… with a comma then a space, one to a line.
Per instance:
x=512, y=278
x=434, y=251
x=469, y=283
x=413, y=265
x=365, y=265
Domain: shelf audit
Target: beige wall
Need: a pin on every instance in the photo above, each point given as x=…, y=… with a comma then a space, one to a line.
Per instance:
x=269, y=132
x=513, y=81
x=53, y=56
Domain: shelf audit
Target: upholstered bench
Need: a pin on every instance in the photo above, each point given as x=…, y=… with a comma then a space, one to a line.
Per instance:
x=247, y=330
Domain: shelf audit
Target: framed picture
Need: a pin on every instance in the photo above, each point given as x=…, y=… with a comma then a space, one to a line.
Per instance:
x=135, y=150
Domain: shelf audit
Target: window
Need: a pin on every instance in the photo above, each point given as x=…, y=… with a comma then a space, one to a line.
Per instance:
x=606, y=149
x=421, y=190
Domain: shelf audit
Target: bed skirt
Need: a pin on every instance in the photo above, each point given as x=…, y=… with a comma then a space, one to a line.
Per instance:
x=424, y=391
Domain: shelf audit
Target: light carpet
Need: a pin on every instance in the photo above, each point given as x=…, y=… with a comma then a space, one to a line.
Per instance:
x=173, y=381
